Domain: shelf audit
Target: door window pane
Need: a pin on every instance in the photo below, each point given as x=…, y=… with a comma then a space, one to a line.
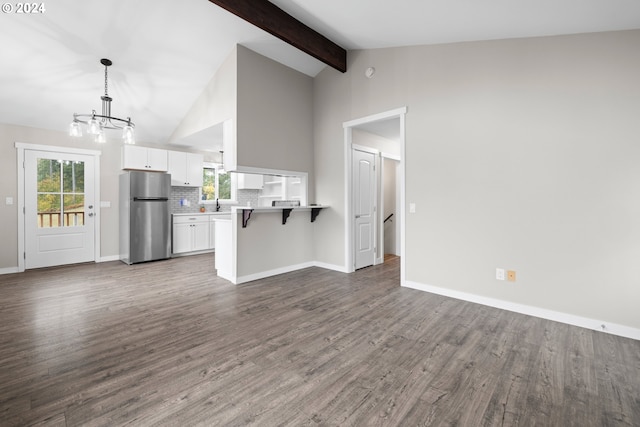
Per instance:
x=48, y=175
x=49, y=210
x=73, y=177
x=73, y=209
x=60, y=195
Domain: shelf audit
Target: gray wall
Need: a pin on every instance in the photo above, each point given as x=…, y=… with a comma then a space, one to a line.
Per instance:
x=275, y=119
x=266, y=244
x=522, y=154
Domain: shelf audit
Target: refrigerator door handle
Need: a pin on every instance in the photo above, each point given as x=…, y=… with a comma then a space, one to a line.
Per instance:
x=150, y=199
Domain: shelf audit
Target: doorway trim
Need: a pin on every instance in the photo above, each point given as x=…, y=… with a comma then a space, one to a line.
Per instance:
x=20, y=149
x=348, y=126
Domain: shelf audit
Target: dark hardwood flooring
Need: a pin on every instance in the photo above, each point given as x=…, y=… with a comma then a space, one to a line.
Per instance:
x=168, y=343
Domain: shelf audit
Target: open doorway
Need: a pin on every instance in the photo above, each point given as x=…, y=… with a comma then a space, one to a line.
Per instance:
x=382, y=134
x=390, y=206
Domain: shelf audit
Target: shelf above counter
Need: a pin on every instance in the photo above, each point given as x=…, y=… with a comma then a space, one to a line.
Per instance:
x=286, y=211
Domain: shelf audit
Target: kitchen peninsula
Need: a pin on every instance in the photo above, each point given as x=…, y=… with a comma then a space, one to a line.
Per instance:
x=260, y=242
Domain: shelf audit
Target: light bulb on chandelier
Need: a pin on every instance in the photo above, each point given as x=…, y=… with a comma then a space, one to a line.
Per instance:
x=97, y=123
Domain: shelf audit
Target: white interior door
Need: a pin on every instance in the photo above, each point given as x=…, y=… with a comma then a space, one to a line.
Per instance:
x=59, y=212
x=364, y=209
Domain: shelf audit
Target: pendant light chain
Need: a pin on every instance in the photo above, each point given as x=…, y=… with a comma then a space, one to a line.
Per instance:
x=106, y=87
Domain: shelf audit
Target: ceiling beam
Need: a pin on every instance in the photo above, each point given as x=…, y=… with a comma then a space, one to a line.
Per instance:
x=266, y=15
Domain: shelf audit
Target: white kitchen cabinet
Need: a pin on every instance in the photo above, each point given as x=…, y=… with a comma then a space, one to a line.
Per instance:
x=250, y=181
x=212, y=231
x=190, y=233
x=185, y=169
x=144, y=158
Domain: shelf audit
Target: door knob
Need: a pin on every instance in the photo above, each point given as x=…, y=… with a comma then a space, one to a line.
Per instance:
x=90, y=206
x=358, y=216
x=90, y=214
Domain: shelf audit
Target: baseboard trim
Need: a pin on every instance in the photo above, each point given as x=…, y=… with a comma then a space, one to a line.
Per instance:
x=339, y=268
x=274, y=272
x=109, y=258
x=9, y=270
x=570, y=319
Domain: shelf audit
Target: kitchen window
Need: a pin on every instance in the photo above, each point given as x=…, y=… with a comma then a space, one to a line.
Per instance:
x=217, y=185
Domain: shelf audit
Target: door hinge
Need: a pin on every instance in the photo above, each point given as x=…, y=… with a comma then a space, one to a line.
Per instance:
x=24, y=255
x=23, y=211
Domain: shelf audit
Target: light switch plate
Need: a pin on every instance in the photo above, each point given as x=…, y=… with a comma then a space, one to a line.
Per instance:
x=412, y=208
x=8, y=200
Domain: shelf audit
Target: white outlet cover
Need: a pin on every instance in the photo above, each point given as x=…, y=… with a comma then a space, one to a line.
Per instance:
x=500, y=274
x=9, y=200
x=412, y=208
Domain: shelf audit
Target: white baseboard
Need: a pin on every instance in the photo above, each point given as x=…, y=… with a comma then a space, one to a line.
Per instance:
x=274, y=272
x=9, y=270
x=340, y=268
x=109, y=258
x=570, y=319
x=226, y=275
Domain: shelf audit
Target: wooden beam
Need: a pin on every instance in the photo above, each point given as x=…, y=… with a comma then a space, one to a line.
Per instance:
x=269, y=17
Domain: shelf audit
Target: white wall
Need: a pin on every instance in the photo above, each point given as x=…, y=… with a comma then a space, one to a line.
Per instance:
x=383, y=145
x=217, y=102
x=521, y=154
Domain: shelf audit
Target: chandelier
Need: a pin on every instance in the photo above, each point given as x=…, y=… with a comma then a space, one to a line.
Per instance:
x=97, y=123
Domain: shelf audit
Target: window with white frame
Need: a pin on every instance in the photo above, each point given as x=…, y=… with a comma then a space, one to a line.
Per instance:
x=217, y=184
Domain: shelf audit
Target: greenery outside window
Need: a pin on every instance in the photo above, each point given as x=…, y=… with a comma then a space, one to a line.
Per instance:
x=217, y=185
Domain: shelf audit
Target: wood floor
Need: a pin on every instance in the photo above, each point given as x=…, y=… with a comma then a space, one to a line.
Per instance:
x=167, y=343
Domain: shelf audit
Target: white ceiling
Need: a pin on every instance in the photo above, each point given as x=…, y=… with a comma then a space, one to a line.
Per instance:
x=165, y=52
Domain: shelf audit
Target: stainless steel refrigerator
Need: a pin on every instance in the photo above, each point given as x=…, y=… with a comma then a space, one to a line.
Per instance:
x=145, y=221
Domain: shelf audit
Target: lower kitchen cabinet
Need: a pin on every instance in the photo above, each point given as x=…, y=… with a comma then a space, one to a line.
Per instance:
x=190, y=234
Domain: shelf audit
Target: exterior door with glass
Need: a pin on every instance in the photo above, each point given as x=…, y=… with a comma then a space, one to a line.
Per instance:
x=59, y=208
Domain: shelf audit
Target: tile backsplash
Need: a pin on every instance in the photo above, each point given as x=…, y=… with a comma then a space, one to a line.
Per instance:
x=248, y=197
x=185, y=200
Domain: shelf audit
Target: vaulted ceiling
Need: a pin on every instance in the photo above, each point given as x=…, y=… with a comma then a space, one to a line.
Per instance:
x=165, y=52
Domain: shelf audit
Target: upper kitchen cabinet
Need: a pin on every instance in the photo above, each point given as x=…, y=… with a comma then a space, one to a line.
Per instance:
x=144, y=158
x=185, y=169
x=250, y=181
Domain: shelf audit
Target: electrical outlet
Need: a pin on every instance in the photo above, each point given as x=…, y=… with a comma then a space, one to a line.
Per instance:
x=511, y=275
x=499, y=273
